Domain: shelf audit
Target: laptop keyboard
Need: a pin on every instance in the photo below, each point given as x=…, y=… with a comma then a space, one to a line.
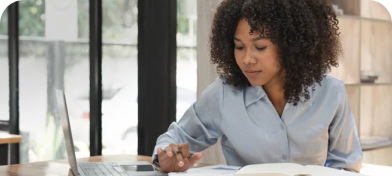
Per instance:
x=101, y=169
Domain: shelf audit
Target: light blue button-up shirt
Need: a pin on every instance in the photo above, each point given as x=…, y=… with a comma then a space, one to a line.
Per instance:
x=318, y=131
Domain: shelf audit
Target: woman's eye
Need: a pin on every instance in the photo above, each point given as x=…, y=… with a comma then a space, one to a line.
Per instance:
x=239, y=48
x=261, y=49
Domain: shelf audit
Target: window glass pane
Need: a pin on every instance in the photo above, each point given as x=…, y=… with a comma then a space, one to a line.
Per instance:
x=4, y=83
x=186, y=55
x=119, y=77
x=53, y=54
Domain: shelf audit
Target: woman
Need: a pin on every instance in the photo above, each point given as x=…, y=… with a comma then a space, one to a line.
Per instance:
x=272, y=101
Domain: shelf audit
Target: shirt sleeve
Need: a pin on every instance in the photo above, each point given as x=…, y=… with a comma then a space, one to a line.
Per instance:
x=200, y=125
x=344, y=150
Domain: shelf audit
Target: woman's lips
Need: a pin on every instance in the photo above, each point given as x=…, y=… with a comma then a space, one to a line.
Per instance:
x=252, y=73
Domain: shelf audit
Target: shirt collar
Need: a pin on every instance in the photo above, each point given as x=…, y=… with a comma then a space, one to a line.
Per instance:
x=255, y=93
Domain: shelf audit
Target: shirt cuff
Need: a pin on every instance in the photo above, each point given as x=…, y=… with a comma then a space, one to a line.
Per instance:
x=155, y=161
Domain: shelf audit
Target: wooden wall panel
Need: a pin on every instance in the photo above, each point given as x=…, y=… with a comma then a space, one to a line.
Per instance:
x=348, y=69
x=376, y=120
x=350, y=7
x=376, y=48
x=374, y=10
x=376, y=111
x=378, y=157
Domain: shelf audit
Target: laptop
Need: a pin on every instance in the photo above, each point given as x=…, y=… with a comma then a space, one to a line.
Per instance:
x=96, y=168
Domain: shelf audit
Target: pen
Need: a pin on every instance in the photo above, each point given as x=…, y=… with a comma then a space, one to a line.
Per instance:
x=189, y=155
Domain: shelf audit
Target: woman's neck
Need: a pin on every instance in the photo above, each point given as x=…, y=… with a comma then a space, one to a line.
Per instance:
x=275, y=92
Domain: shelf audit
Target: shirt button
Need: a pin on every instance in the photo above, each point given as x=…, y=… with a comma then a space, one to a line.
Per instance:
x=282, y=126
x=284, y=157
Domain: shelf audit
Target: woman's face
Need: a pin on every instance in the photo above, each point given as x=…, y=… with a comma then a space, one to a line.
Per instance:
x=256, y=56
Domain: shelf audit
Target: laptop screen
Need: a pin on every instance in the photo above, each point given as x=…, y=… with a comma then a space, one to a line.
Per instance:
x=64, y=119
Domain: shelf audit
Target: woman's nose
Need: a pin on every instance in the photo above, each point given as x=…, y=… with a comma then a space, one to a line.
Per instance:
x=249, y=59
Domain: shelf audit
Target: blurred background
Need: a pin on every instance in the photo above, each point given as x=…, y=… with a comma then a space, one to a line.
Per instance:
x=52, y=54
x=41, y=42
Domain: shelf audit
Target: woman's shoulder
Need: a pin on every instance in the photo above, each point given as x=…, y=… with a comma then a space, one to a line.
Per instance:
x=330, y=86
x=331, y=81
x=220, y=87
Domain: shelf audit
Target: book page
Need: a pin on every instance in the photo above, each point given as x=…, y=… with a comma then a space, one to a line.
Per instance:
x=325, y=171
x=278, y=169
x=216, y=170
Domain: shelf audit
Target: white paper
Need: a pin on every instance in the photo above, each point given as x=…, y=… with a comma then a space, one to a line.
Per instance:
x=325, y=171
x=291, y=169
x=216, y=170
x=288, y=169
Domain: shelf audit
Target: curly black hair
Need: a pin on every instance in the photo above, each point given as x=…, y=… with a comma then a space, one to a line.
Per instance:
x=305, y=31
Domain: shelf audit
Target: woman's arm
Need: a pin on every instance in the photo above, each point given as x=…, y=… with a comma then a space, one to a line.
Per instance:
x=344, y=151
x=200, y=125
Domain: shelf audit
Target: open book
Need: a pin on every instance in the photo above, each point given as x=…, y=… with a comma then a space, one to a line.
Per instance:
x=291, y=169
x=279, y=169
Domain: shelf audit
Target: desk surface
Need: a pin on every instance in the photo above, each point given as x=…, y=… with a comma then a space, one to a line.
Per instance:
x=61, y=167
x=9, y=138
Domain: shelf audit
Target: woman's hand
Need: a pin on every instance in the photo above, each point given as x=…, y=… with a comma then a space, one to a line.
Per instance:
x=171, y=161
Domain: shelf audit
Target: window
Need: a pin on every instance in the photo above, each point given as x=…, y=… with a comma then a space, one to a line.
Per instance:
x=119, y=77
x=53, y=54
x=186, y=55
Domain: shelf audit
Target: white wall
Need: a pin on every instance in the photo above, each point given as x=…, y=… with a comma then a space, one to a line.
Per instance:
x=206, y=73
